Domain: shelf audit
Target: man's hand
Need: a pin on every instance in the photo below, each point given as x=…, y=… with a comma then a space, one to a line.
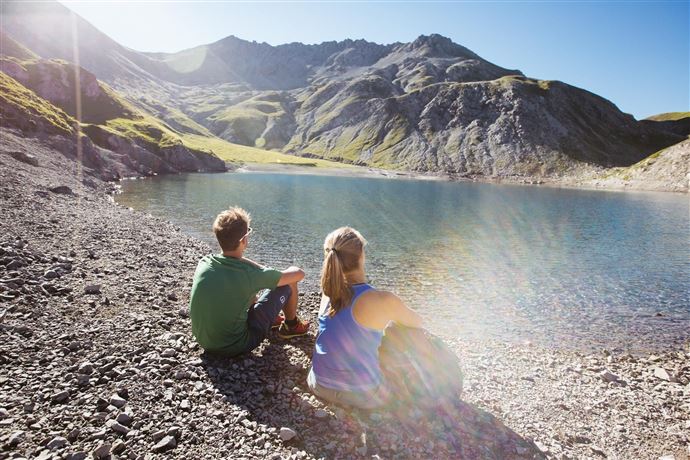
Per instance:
x=291, y=275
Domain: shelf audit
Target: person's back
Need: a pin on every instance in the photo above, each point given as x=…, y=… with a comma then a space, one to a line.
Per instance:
x=222, y=289
x=345, y=366
x=346, y=353
x=227, y=316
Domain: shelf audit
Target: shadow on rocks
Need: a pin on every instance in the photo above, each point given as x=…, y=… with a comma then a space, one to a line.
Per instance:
x=269, y=405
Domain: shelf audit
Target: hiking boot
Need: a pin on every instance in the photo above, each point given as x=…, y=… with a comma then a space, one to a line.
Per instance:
x=287, y=332
x=278, y=321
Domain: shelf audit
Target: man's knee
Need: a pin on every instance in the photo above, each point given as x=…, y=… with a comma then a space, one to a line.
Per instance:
x=284, y=292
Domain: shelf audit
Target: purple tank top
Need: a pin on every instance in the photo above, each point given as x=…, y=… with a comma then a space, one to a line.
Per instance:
x=346, y=356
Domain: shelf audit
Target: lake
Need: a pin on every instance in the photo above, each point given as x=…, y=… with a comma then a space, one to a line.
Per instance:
x=559, y=267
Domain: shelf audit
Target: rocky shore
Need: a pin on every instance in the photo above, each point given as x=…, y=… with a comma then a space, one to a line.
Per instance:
x=97, y=358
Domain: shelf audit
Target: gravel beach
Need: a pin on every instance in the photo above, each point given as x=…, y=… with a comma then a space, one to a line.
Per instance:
x=97, y=358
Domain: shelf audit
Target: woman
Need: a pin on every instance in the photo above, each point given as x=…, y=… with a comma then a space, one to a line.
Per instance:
x=345, y=366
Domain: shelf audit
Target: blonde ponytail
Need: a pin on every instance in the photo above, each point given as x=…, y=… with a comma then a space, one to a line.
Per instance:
x=342, y=252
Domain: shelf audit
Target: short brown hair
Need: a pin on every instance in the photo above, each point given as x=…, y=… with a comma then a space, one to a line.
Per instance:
x=230, y=226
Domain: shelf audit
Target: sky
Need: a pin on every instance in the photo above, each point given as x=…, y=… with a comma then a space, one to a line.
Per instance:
x=634, y=53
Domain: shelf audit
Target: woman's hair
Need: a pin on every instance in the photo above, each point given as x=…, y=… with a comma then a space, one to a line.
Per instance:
x=342, y=251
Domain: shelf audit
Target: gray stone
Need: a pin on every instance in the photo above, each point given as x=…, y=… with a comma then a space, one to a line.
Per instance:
x=662, y=374
x=169, y=353
x=158, y=435
x=85, y=368
x=320, y=413
x=124, y=419
x=61, y=190
x=60, y=397
x=81, y=455
x=16, y=438
x=102, y=451
x=14, y=265
x=57, y=443
x=286, y=434
x=174, y=431
x=24, y=157
x=608, y=376
x=117, y=427
x=167, y=443
x=117, y=401
x=92, y=289
x=119, y=446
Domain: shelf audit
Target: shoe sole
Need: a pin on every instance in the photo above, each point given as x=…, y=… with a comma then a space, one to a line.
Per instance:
x=290, y=336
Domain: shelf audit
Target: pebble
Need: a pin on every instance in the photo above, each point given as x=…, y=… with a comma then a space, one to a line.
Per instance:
x=57, y=443
x=119, y=446
x=16, y=438
x=167, y=443
x=102, y=451
x=286, y=434
x=60, y=396
x=85, y=368
x=92, y=289
x=117, y=427
x=662, y=374
x=117, y=401
x=124, y=419
x=609, y=376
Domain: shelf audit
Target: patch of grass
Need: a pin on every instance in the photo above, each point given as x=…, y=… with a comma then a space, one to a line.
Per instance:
x=20, y=99
x=11, y=47
x=243, y=154
x=669, y=116
x=144, y=129
x=249, y=118
x=509, y=80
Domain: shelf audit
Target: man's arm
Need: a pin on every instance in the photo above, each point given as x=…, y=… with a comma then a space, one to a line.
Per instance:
x=291, y=275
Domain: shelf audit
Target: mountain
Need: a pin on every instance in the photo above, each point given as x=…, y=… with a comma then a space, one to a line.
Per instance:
x=67, y=105
x=430, y=105
x=667, y=169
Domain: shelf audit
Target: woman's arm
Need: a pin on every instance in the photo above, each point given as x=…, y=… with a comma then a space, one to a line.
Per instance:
x=399, y=312
x=375, y=309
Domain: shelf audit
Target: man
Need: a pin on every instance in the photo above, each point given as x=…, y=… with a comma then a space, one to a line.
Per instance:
x=226, y=315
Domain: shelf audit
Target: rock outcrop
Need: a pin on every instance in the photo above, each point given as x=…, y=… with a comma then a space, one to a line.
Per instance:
x=102, y=149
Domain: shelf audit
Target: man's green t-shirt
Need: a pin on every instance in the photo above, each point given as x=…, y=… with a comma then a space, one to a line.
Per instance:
x=222, y=291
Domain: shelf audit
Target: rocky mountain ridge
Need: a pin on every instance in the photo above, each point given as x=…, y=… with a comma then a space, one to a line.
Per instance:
x=112, y=139
x=428, y=106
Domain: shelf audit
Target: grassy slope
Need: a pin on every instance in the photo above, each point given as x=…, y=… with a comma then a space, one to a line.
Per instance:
x=243, y=154
x=670, y=116
x=16, y=96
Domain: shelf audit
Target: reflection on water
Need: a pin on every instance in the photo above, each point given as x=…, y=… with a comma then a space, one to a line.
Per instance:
x=570, y=268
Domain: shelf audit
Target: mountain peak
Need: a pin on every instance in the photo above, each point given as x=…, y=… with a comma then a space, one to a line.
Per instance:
x=436, y=45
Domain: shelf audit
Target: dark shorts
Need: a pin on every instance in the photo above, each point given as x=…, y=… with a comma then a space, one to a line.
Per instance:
x=263, y=313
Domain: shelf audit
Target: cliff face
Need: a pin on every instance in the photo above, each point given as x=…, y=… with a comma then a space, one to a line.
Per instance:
x=41, y=99
x=429, y=105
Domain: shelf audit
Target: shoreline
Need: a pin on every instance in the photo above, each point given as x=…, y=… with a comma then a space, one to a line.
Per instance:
x=365, y=171
x=97, y=358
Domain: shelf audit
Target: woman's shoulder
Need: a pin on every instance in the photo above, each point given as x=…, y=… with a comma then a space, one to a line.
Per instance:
x=379, y=294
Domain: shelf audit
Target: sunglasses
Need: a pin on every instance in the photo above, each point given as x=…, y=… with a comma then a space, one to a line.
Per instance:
x=249, y=231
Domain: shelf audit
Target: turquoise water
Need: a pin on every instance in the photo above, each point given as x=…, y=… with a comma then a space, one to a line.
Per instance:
x=568, y=268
